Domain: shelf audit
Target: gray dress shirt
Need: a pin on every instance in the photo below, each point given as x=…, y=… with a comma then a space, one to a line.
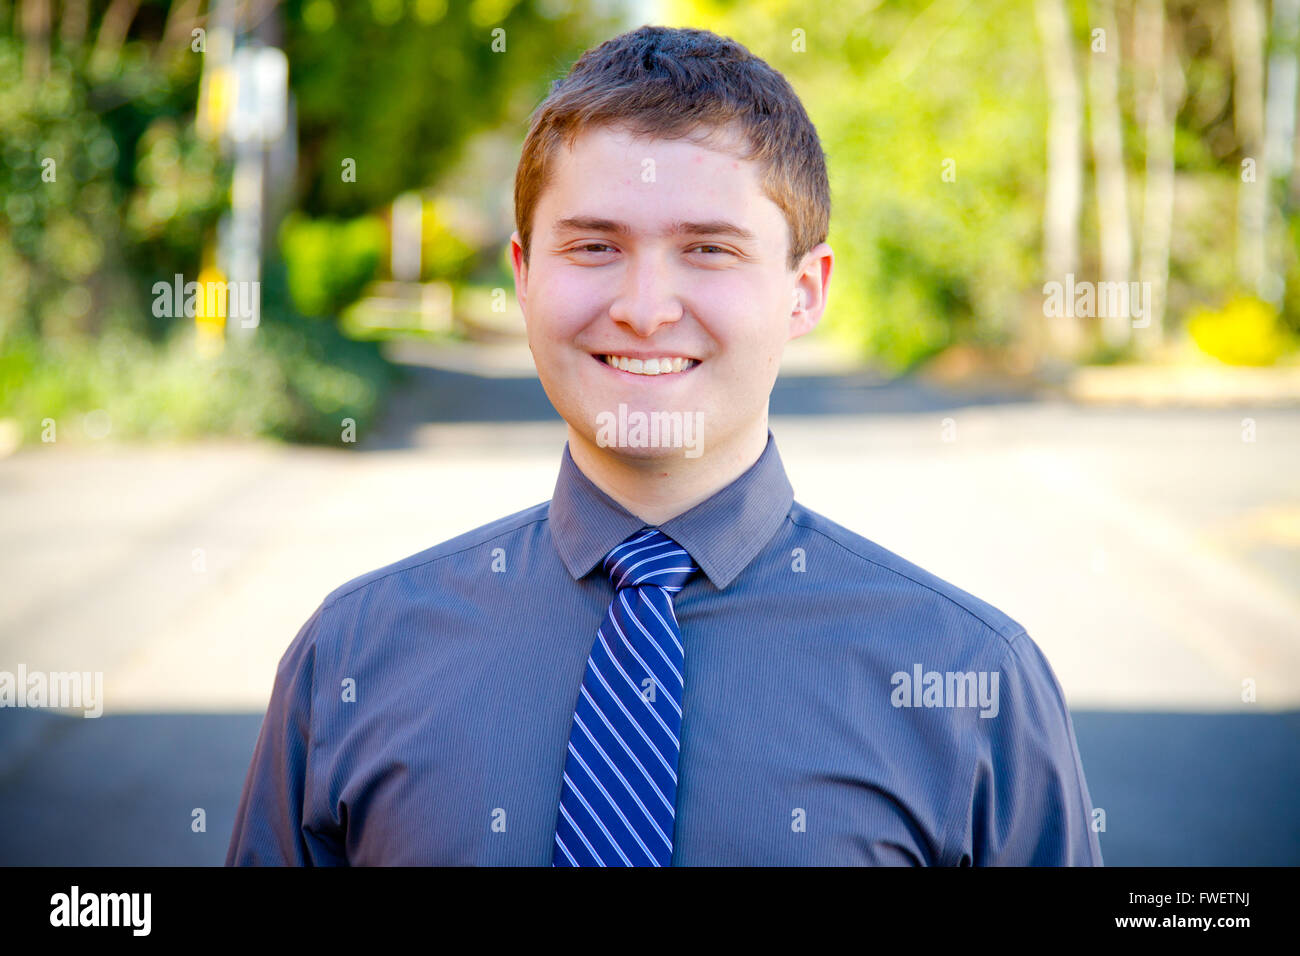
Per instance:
x=841, y=705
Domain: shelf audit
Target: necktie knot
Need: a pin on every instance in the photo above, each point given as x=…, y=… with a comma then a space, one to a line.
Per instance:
x=649, y=557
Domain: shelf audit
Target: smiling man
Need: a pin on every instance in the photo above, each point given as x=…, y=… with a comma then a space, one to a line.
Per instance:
x=671, y=661
x=648, y=247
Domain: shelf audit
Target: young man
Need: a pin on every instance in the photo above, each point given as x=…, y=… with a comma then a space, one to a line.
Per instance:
x=671, y=661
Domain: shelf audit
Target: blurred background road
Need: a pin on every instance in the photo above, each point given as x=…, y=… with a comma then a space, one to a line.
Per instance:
x=182, y=574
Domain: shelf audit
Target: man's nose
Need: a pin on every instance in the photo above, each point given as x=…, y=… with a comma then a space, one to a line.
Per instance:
x=647, y=298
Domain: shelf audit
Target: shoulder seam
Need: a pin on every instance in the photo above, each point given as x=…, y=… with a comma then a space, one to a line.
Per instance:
x=438, y=557
x=901, y=574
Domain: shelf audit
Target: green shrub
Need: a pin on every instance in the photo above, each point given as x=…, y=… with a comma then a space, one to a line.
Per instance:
x=330, y=261
x=294, y=381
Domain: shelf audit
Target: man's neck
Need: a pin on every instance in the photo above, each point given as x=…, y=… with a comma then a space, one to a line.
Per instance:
x=657, y=489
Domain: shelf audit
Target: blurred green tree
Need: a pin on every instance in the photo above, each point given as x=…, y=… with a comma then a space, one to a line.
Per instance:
x=397, y=89
x=106, y=188
x=936, y=119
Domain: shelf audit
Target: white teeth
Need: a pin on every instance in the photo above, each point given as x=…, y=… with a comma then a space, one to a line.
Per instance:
x=654, y=366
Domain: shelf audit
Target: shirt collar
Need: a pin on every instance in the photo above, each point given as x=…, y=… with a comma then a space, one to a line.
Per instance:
x=723, y=533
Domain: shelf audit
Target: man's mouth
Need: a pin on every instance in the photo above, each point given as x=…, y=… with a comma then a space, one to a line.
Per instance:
x=661, y=365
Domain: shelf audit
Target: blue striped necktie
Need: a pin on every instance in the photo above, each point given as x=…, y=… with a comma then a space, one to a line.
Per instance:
x=618, y=801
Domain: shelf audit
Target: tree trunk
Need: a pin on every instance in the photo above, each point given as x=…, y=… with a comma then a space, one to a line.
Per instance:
x=112, y=33
x=73, y=24
x=1064, y=163
x=1108, y=159
x=36, y=38
x=1248, y=123
x=182, y=18
x=1279, y=135
x=1163, y=93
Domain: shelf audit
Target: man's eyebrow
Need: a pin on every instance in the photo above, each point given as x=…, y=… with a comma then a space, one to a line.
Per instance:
x=712, y=227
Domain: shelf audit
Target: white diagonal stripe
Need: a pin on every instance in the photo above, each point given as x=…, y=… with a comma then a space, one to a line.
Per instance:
x=633, y=720
x=623, y=557
x=581, y=835
x=565, y=849
x=636, y=690
x=667, y=554
x=653, y=676
x=641, y=660
x=573, y=788
x=636, y=620
x=612, y=802
x=622, y=743
x=668, y=630
x=614, y=767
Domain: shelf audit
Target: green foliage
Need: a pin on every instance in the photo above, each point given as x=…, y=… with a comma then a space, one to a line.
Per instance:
x=131, y=195
x=292, y=381
x=330, y=261
x=181, y=188
x=1291, y=298
x=1246, y=331
x=933, y=129
x=896, y=89
x=58, y=194
x=445, y=253
x=103, y=189
x=399, y=87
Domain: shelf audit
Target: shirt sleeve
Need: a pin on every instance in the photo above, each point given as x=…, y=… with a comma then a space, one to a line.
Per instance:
x=269, y=827
x=1030, y=804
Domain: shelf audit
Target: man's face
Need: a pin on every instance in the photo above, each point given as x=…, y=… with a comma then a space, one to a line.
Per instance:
x=662, y=249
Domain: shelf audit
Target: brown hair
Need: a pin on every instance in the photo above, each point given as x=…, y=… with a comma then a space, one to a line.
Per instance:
x=672, y=83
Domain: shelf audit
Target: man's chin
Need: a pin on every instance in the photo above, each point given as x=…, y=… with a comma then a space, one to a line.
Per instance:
x=641, y=455
x=625, y=440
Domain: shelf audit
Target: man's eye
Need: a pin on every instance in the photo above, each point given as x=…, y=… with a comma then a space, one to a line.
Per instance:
x=597, y=247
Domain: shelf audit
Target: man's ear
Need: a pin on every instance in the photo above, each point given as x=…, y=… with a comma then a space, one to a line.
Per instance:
x=520, y=266
x=812, y=282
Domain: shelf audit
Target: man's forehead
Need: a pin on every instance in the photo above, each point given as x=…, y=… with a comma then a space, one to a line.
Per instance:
x=577, y=205
x=726, y=139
